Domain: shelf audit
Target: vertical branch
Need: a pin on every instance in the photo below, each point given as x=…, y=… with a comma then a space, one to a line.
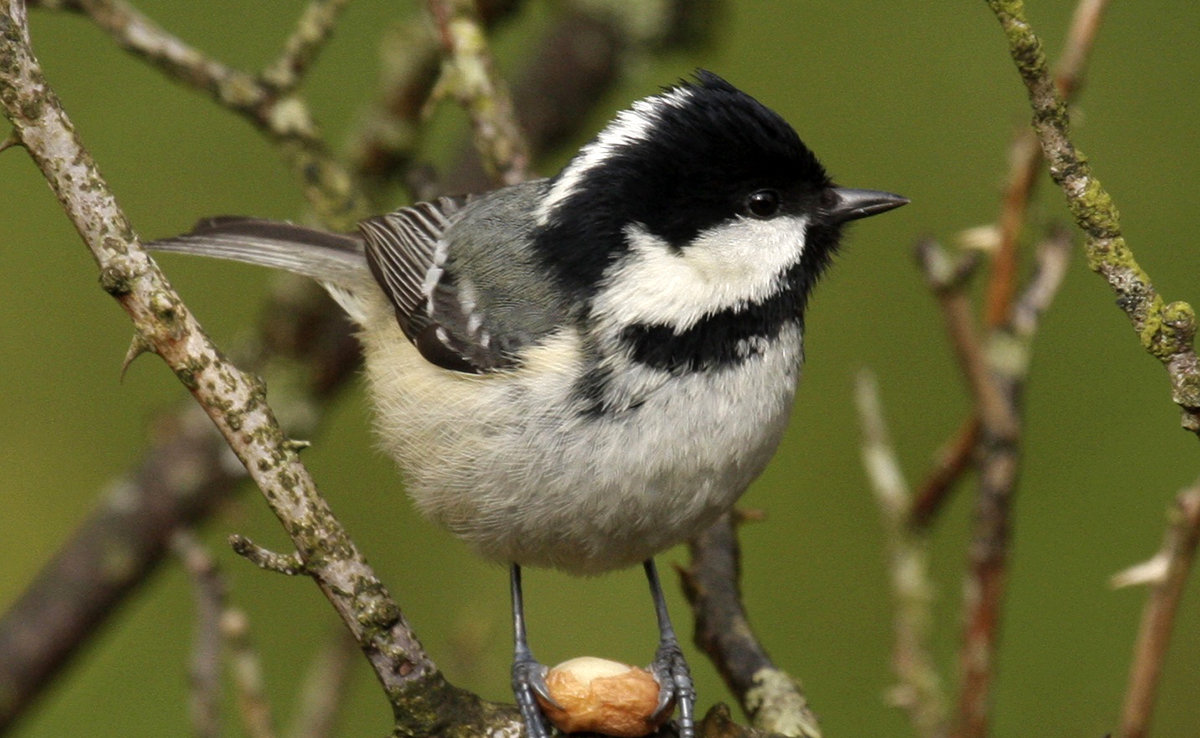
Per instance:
x=1008, y=355
x=1166, y=574
x=919, y=690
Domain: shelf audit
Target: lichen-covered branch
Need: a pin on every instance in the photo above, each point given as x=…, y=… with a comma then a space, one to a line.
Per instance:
x=772, y=698
x=233, y=400
x=267, y=100
x=302, y=47
x=469, y=75
x=919, y=691
x=1166, y=574
x=1025, y=165
x=305, y=341
x=1166, y=330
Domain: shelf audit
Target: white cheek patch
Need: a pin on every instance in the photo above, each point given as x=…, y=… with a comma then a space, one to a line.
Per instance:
x=626, y=130
x=728, y=266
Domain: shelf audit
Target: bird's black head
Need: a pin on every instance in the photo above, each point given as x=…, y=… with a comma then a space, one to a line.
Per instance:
x=679, y=164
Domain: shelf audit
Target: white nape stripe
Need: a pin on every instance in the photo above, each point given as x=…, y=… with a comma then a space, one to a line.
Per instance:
x=733, y=264
x=628, y=128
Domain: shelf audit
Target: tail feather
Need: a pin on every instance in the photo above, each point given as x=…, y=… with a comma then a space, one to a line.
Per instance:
x=335, y=259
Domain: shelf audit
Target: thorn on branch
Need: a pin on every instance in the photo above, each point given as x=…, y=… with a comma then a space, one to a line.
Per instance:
x=289, y=564
x=138, y=346
x=11, y=140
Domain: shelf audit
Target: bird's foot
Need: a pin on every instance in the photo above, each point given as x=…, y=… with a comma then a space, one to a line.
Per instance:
x=529, y=681
x=675, y=686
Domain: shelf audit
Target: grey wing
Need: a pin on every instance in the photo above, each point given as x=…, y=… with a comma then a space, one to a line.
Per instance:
x=406, y=253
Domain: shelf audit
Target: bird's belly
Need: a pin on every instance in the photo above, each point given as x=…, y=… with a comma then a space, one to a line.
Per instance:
x=510, y=465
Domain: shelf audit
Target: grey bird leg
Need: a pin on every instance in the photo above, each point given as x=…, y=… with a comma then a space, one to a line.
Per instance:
x=669, y=668
x=528, y=676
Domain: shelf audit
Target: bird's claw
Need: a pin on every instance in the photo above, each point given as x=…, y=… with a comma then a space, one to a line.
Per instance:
x=529, y=682
x=675, y=687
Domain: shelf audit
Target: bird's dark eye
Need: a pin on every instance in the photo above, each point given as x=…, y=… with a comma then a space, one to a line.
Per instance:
x=763, y=203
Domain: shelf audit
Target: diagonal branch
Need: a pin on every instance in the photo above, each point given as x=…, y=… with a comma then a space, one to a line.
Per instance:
x=469, y=75
x=268, y=100
x=233, y=400
x=772, y=698
x=1166, y=574
x=919, y=690
x=1166, y=330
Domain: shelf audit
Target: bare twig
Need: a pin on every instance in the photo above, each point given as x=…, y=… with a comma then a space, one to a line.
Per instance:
x=1167, y=331
x=948, y=282
x=302, y=47
x=246, y=668
x=331, y=189
x=1026, y=162
x=180, y=481
x=289, y=564
x=951, y=462
x=1166, y=574
x=919, y=690
x=771, y=698
x=469, y=75
x=1025, y=166
x=204, y=672
x=1007, y=354
x=233, y=400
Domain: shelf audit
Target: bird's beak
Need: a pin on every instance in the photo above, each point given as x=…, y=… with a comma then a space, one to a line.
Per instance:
x=849, y=204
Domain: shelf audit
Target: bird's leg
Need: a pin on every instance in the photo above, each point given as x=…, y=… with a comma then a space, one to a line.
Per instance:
x=669, y=668
x=528, y=676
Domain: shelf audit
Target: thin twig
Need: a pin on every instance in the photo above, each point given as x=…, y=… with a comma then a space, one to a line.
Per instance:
x=302, y=47
x=1167, y=331
x=469, y=75
x=233, y=400
x=1166, y=574
x=948, y=282
x=919, y=691
x=1026, y=162
x=1008, y=354
x=772, y=699
x=204, y=671
x=289, y=564
x=246, y=668
x=282, y=115
x=951, y=462
x=1025, y=166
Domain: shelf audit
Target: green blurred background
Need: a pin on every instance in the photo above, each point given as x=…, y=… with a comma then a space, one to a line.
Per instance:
x=919, y=98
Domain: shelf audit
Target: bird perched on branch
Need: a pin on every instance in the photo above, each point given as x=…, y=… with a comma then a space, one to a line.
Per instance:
x=582, y=371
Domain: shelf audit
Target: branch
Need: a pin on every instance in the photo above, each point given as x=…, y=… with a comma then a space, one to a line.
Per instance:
x=234, y=401
x=771, y=698
x=204, y=672
x=919, y=690
x=312, y=31
x=186, y=473
x=267, y=100
x=1167, y=331
x=1026, y=163
x=469, y=75
x=1008, y=354
x=1166, y=574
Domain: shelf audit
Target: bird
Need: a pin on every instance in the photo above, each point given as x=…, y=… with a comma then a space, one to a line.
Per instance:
x=578, y=372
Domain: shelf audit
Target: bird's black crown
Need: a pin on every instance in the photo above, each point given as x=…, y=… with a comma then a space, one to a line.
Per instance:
x=676, y=164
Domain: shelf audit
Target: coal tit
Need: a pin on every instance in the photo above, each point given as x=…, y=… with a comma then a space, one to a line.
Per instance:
x=582, y=371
